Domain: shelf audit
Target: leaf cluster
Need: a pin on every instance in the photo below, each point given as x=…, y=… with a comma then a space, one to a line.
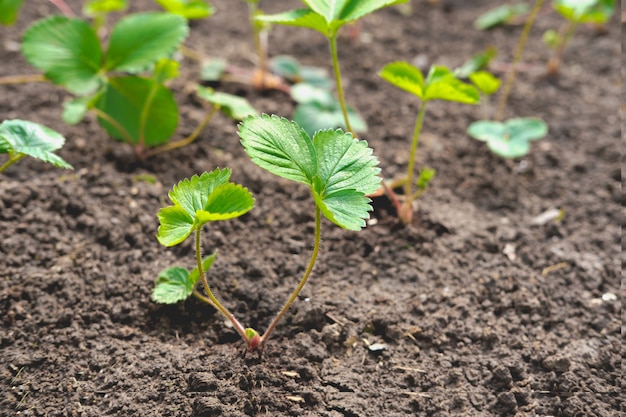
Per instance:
x=510, y=139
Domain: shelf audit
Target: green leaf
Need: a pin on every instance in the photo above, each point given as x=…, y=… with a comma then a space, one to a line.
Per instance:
x=404, y=76
x=66, y=50
x=441, y=84
x=425, y=177
x=124, y=100
x=140, y=40
x=213, y=70
x=99, y=7
x=32, y=139
x=75, y=110
x=477, y=62
x=510, y=139
x=189, y=9
x=339, y=169
x=235, y=107
x=172, y=285
x=226, y=202
x=500, y=15
x=9, y=9
x=486, y=82
x=279, y=146
x=165, y=69
x=313, y=116
x=301, y=17
x=177, y=284
x=585, y=11
x=204, y=198
x=347, y=10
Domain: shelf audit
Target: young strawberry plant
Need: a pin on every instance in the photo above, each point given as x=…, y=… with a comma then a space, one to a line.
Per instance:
x=327, y=17
x=21, y=138
x=576, y=12
x=440, y=84
x=338, y=169
x=510, y=139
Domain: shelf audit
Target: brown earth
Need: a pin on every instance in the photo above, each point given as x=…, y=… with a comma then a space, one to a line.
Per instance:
x=471, y=325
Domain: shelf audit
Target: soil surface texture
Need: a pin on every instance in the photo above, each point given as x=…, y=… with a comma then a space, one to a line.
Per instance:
x=478, y=308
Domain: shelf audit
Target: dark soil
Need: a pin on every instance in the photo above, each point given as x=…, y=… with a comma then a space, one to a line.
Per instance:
x=470, y=324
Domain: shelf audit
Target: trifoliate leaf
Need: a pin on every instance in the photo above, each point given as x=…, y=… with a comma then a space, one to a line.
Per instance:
x=510, y=139
x=32, y=139
x=200, y=199
x=279, y=146
x=347, y=10
x=140, y=40
x=339, y=169
x=66, y=50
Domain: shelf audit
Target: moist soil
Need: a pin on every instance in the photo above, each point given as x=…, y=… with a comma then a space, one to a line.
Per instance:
x=475, y=309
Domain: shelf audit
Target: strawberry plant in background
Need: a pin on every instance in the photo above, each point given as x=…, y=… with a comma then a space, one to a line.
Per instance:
x=575, y=12
x=338, y=169
x=327, y=18
x=124, y=83
x=9, y=11
x=440, y=84
x=21, y=138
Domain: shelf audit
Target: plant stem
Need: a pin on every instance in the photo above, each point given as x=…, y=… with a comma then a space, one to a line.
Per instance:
x=238, y=327
x=305, y=277
x=144, y=115
x=13, y=158
x=517, y=56
x=201, y=297
x=22, y=79
x=259, y=42
x=342, y=101
x=554, y=64
x=189, y=139
x=408, y=186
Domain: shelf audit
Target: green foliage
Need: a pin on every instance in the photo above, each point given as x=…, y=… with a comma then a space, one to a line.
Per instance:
x=139, y=40
x=500, y=15
x=510, y=139
x=327, y=16
x=235, y=107
x=486, y=82
x=339, y=169
x=319, y=109
x=189, y=9
x=213, y=70
x=19, y=138
x=477, y=62
x=145, y=110
x=9, y=10
x=68, y=52
x=425, y=177
x=99, y=7
x=289, y=68
x=440, y=84
x=585, y=11
x=177, y=284
x=198, y=200
x=137, y=109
